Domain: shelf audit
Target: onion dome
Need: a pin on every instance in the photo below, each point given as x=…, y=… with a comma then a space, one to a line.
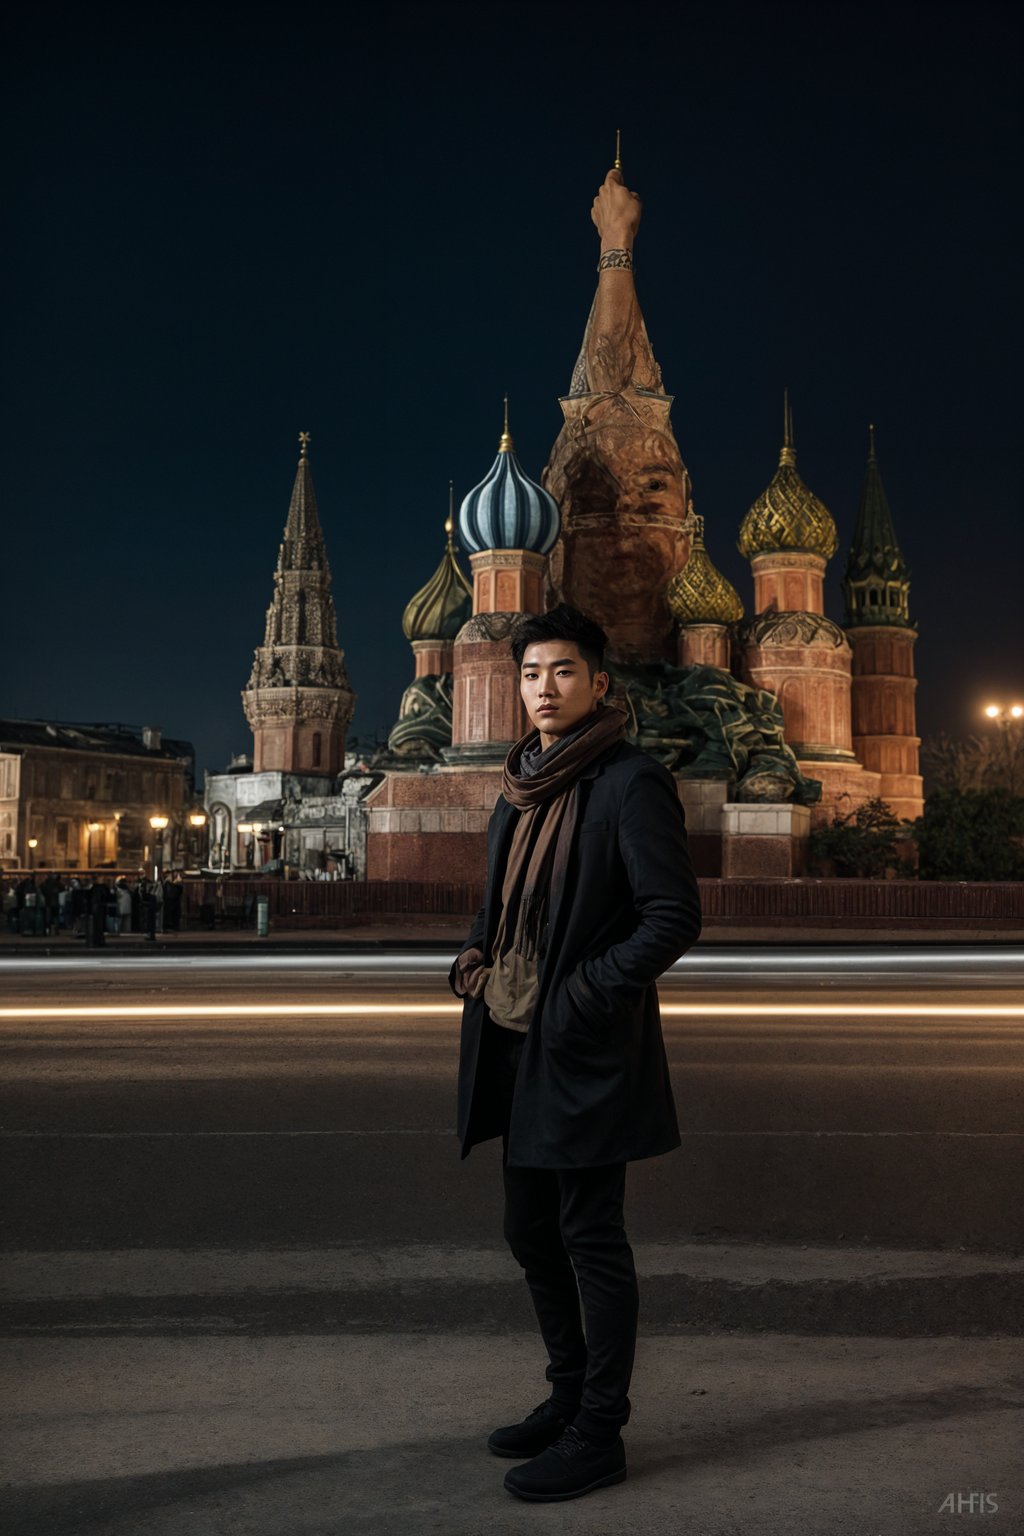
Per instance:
x=439, y=610
x=700, y=594
x=787, y=515
x=507, y=510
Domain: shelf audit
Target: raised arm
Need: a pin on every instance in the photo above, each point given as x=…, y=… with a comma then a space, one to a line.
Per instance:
x=616, y=351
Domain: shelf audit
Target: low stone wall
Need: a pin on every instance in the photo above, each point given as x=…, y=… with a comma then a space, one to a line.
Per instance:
x=883, y=904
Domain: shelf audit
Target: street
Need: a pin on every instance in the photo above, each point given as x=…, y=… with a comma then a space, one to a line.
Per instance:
x=250, y=1286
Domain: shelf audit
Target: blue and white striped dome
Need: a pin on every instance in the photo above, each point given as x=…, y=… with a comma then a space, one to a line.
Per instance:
x=507, y=510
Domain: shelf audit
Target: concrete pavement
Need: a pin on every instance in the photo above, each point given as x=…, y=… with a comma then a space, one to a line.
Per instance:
x=383, y=1435
x=250, y=1290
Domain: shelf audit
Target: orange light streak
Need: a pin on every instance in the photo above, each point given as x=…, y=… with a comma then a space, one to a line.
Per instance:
x=853, y=1010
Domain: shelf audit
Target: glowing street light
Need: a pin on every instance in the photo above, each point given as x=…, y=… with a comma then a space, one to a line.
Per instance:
x=33, y=844
x=1009, y=762
x=197, y=852
x=159, y=825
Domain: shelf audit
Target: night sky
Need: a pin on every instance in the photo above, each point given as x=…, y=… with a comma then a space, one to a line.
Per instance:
x=230, y=224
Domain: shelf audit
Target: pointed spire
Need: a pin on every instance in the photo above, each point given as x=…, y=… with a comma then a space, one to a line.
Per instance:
x=449, y=522
x=302, y=548
x=876, y=583
x=788, y=454
x=300, y=642
x=505, y=443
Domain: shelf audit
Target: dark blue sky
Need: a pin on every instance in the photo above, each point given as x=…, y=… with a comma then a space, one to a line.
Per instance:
x=233, y=223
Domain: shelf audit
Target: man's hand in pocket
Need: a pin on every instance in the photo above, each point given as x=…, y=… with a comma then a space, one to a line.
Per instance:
x=468, y=968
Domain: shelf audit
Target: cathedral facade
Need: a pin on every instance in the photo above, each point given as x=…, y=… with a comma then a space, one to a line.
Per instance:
x=770, y=722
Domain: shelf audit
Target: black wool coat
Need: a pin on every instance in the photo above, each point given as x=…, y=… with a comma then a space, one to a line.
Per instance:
x=593, y=1085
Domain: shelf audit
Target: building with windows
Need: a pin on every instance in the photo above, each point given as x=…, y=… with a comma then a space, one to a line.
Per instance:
x=81, y=796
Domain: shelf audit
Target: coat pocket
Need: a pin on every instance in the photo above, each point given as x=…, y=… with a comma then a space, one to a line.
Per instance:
x=594, y=1028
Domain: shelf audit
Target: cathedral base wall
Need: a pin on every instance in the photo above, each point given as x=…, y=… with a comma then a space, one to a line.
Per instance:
x=431, y=826
x=844, y=786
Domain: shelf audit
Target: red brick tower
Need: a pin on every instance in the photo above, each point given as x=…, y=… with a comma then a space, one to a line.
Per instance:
x=509, y=524
x=790, y=647
x=433, y=825
x=877, y=590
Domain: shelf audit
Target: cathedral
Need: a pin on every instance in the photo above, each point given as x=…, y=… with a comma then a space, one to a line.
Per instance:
x=771, y=722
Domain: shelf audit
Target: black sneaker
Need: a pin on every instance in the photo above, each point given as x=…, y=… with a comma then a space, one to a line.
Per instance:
x=570, y=1466
x=539, y=1429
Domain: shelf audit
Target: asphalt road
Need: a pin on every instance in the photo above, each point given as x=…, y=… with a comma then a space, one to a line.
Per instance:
x=249, y=1286
x=226, y=1119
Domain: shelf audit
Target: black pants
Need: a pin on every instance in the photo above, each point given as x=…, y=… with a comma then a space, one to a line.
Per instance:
x=565, y=1227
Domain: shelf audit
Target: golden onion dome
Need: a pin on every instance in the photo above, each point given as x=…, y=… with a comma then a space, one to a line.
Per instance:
x=439, y=610
x=700, y=594
x=787, y=515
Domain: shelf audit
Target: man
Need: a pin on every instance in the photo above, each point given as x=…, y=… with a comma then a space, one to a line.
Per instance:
x=590, y=896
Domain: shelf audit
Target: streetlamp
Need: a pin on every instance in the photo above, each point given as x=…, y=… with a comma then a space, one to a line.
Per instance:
x=196, y=820
x=159, y=825
x=1008, y=718
x=33, y=844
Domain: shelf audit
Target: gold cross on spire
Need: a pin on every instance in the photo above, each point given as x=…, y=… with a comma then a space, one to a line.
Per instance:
x=305, y=438
x=618, y=150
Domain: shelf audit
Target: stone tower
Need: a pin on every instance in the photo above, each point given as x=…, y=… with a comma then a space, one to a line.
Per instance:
x=790, y=647
x=615, y=469
x=876, y=587
x=298, y=700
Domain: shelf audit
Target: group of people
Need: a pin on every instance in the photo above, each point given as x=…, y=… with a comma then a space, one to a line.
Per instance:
x=54, y=904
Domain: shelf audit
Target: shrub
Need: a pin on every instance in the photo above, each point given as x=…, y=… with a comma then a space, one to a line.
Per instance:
x=971, y=835
x=860, y=844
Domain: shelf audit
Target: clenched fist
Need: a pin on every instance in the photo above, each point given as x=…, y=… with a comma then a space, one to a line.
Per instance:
x=616, y=212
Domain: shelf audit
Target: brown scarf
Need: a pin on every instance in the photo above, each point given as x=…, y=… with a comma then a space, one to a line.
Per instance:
x=538, y=857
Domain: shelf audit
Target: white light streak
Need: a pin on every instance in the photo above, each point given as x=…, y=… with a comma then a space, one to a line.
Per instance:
x=259, y=1010
x=984, y=957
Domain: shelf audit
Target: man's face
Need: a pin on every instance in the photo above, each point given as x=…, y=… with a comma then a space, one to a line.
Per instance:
x=557, y=689
x=651, y=477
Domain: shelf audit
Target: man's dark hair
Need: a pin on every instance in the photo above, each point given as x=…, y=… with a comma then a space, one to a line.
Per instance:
x=562, y=623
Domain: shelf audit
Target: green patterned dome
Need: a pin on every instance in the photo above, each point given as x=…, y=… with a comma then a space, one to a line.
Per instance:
x=439, y=610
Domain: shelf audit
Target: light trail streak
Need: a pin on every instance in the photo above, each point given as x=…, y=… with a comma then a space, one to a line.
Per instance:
x=852, y=1010
x=718, y=959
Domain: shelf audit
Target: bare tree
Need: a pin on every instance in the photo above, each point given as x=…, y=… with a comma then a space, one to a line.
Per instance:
x=974, y=763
